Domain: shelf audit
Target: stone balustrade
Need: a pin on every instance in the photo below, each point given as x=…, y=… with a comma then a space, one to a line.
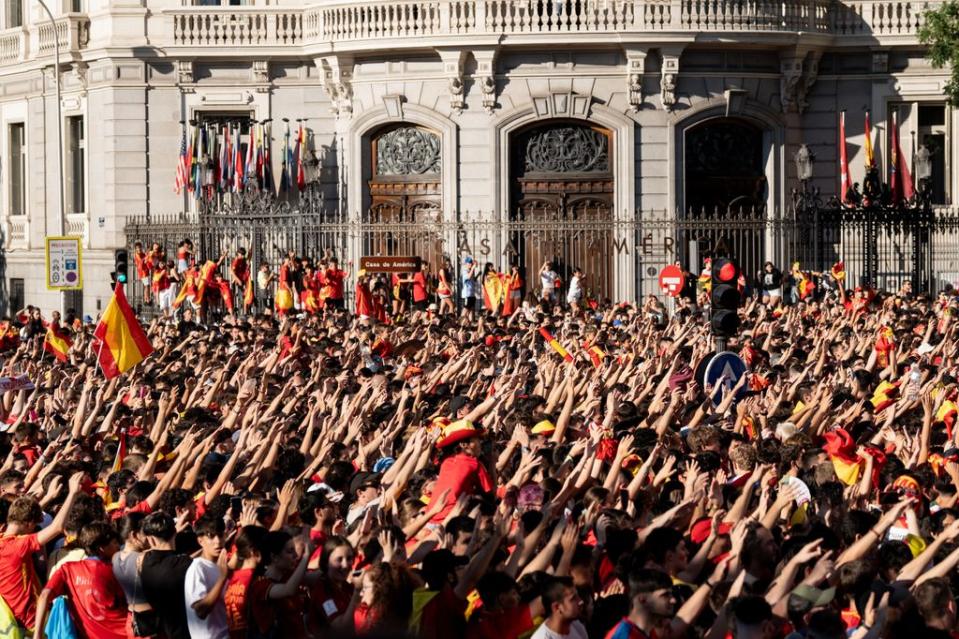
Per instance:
x=20, y=44
x=329, y=25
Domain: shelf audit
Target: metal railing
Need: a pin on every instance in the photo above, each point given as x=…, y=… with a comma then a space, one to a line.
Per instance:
x=611, y=251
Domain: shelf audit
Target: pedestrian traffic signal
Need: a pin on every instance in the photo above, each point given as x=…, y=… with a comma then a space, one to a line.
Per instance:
x=725, y=297
x=121, y=266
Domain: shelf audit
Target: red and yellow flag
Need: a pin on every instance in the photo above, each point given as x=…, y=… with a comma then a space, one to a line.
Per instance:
x=248, y=294
x=596, y=354
x=57, y=342
x=492, y=291
x=555, y=345
x=842, y=452
x=123, y=344
x=839, y=271
x=206, y=278
x=121, y=452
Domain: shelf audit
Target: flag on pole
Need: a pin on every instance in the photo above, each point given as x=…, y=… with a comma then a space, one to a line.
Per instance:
x=556, y=346
x=301, y=158
x=225, y=160
x=900, y=179
x=121, y=451
x=867, y=146
x=238, y=159
x=845, y=180
x=250, y=169
x=57, y=342
x=123, y=344
x=194, y=165
x=182, y=165
x=268, y=183
x=285, y=166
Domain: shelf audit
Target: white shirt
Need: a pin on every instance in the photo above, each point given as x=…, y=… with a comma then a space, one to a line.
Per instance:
x=575, y=290
x=576, y=631
x=200, y=577
x=548, y=279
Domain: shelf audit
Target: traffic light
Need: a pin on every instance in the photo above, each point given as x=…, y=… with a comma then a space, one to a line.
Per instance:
x=724, y=298
x=121, y=266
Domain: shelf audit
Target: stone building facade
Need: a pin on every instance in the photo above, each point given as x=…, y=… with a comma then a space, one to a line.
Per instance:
x=455, y=109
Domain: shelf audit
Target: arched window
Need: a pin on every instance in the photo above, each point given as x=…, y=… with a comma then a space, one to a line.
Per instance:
x=724, y=169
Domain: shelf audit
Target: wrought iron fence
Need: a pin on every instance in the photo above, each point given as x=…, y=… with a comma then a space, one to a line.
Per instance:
x=621, y=257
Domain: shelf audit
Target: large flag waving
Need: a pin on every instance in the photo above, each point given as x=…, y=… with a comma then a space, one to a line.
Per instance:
x=57, y=342
x=845, y=180
x=123, y=344
x=900, y=179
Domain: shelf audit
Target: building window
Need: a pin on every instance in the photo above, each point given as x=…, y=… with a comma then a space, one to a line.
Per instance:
x=14, y=17
x=222, y=3
x=18, y=169
x=76, y=165
x=927, y=124
x=16, y=295
x=76, y=6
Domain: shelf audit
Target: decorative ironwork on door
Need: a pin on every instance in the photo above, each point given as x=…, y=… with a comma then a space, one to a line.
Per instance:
x=406, y=187
x=562, y=172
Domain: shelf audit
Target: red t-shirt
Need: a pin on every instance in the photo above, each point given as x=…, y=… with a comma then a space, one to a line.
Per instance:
x=19, y=585
x=334, y=279
x=507, y=624
x=419, y=287
x=626, y=629
x=240, y=269
x=285, y=615
x=234, y=599
x=461, y=474
x=330, y=602
x=96, y=597
x=443, y=616
x=318, y=538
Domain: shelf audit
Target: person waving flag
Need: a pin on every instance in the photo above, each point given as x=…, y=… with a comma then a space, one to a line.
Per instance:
x=123, y=343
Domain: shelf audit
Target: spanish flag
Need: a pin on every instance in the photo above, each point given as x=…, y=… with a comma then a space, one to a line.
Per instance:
x=248, y=294
x=839, y=271
x=596, y=354
x=121, y=452
x=492, y=291
x=188, y=288
x=57, y=342
x=508, y=288
x=841, y=450
x=123, y=344
x=556, y=345
x=947, y=415
x=206, y=278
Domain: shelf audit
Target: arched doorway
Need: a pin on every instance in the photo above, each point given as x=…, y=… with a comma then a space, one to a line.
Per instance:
x=725, y=191
x=561, y=195
x=405, y=193
x=724, y=167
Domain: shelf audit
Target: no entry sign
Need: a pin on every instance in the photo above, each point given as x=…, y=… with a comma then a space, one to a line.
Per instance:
x=671, y=280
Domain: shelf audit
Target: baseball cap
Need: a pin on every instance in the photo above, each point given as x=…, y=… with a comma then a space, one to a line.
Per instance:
x=363, y=480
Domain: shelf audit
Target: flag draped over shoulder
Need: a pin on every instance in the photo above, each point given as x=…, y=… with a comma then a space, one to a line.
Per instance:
x=57, y=342
x=556, y=346
x=123, y=344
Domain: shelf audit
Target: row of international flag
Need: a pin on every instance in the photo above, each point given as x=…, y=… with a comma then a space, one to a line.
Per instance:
x=121, y=342
x=900, y=177
x=215, y=159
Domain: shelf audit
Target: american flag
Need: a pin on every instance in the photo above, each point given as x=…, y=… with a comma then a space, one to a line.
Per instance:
x=182, y=166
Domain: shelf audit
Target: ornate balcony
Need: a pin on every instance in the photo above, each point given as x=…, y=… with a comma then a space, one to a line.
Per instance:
x=344, y=25
x=21, y=44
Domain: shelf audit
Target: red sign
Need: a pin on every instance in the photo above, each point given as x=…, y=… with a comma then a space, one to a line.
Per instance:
x=671, y=280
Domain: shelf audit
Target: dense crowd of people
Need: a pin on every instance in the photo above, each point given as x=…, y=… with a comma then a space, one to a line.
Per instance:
x=552, y=467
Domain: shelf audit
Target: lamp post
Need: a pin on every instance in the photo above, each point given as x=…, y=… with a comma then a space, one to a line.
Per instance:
x=56, y=75
x=807, y=199
x=921, y=254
